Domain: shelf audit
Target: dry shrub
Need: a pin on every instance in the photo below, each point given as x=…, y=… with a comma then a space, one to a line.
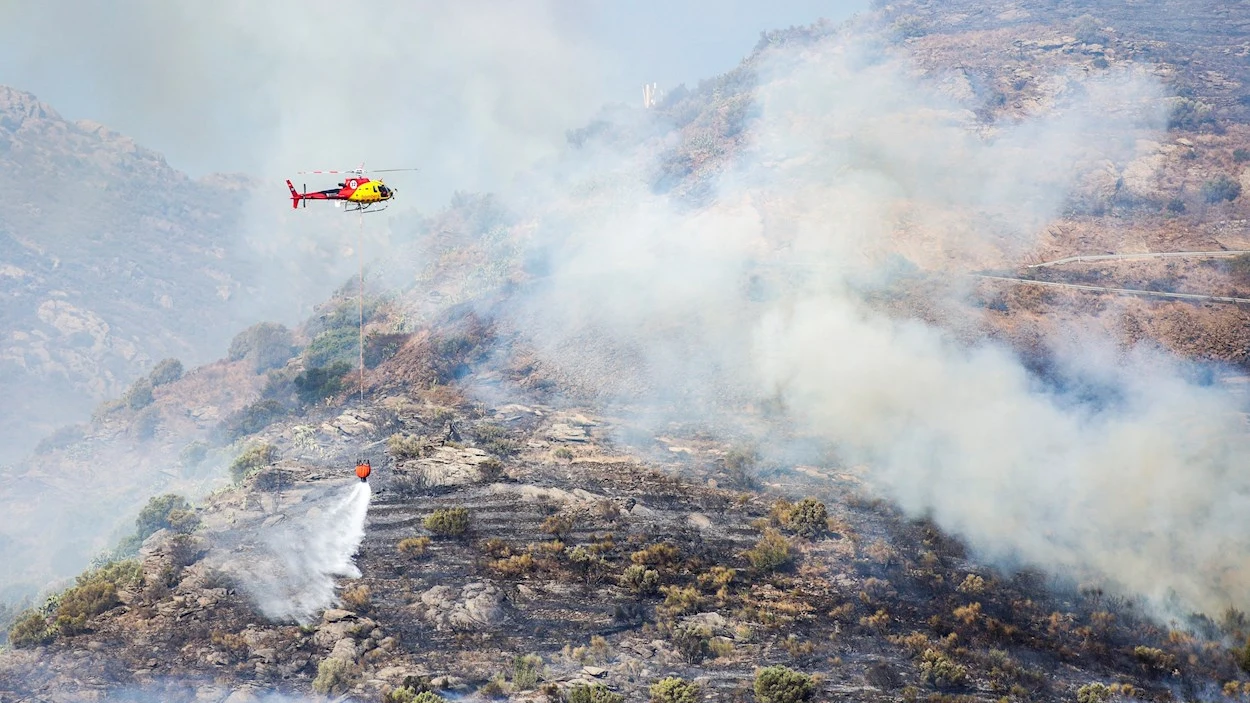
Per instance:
x=357, y=597
x=657, y=555
x=414, y=546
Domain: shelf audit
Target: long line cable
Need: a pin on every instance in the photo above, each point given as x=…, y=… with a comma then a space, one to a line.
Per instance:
x=360, y=300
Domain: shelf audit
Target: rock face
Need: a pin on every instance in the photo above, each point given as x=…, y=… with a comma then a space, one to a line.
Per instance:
x=476, y=606
x=450, y=466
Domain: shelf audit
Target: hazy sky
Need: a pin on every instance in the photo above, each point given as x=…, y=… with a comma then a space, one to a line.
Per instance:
x=468, y=91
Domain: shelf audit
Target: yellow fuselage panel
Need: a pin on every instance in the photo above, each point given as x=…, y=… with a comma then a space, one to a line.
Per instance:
x=367, y=193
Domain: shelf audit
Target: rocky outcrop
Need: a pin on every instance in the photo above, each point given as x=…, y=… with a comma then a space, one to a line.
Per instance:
x=476, y=606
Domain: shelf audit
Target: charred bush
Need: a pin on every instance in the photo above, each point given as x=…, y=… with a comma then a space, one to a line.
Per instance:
x=630, y=613
x=380, y=347
x=883, y=676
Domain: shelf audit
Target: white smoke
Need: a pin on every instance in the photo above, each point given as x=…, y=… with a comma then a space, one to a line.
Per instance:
x=293, y=574
x=857, y=160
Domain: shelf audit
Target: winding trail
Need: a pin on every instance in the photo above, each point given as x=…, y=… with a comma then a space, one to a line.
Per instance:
x=1120, y=291
x=1145, y=255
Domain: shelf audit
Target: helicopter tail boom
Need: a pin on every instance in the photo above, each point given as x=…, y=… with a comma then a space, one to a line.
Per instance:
x=295, y=196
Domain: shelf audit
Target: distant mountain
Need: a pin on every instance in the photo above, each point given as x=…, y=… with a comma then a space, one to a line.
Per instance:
x=110, y=260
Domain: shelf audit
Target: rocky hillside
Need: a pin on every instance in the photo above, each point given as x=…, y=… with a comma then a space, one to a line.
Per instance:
x=112, y=261
x=564, y=520
x=519, y=551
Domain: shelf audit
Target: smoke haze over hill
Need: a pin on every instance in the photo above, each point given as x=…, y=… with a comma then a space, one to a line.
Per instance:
x=1116, y=468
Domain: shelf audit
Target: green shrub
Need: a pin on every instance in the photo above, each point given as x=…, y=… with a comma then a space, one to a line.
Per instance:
x=333, y=676
x=332, y=346
x=346, y=313
x=168, y=511
x=739, y=464
x=1154, y=659
x=1241, y=155
x=31, y=630
x=317, y=383
x=641, y=580
x=589, y=566
x=193, y=454
x=1189, y=114
x=808, y=517
x=771, y=553
x=81, y=603
x=1220, y=189
x=145, y=423
x=265, y=345
x=251, y=460
x=448, y=522
x=414, y=690
x=491, y=469
x=139, y=396
x=502, y=447
x=95, y=592
x=168, y=371
x=1088, y=31
x=61, y=438
x=597, y=693
x=940, y=670
x=249, y=420
x=526, y=672
x=693, y=642
x=402, y=446
x=1093, y=693
x=780, y=684
x=674, y=690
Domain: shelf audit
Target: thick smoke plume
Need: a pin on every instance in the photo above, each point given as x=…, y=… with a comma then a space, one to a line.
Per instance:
x=291, y=575
x=858, y=169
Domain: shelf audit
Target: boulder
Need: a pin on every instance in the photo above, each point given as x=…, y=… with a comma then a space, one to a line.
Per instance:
x=476, y=606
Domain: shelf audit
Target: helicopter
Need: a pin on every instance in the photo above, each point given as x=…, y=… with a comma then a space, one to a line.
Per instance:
x=357, y=190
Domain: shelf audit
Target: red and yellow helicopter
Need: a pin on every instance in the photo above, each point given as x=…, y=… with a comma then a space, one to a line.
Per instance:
x=358, y=190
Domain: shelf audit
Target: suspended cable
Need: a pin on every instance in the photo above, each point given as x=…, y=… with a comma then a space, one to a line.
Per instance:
x=360, y=300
